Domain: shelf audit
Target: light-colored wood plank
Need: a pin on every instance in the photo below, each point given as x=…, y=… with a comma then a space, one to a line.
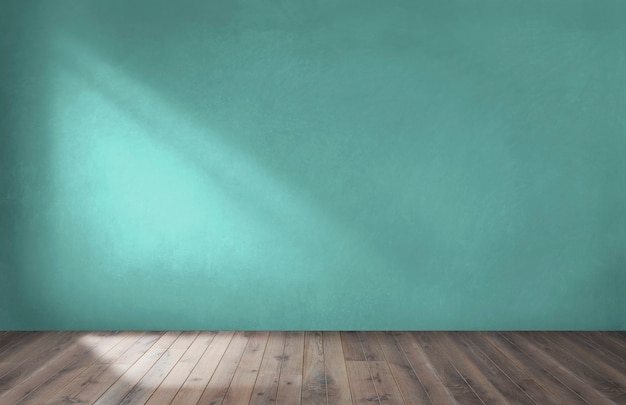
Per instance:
x=168, y=389
x=129, y=379
x=23, y=360
x=290, y=381
x=95, y=387
x=217, y=387
x=140, y=393
x=194, y=385
x=289, y=390
x=265, y=390
x=243, y=381
x=337, y=385
x=273, y=357
x=314, y=375
x=52, y=375
x=293, y=354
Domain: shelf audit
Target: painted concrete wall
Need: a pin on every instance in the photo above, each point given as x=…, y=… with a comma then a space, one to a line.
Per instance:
x=313, y=165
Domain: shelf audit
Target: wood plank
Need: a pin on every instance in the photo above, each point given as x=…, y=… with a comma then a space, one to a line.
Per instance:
x=596, y=346
x=97, y=386
x=454, y=381
x=314, y=373
x=581, y=371
x=273, y=358
x=242, y=384
x=468, y=369
x=381, y=375
x=337, y=385
x=293, y=354
x=606, y=345
x=265, y=390
x=605, y=367
x=17, y=346
x=70, y=392
x=193, y=387
x=140, y=393
x=290, y=380
x=168, y=389
x=563, y=374
x=424, y=368
x=351, y=346
x=408, y=381
x=289, y=390
x=311, y=367
x=25, y=360
x=504, y=387
x=217, y=387
x=135, y=373
x=361, y=385
x=57, y=372
x=538, y=374
x=514, y=370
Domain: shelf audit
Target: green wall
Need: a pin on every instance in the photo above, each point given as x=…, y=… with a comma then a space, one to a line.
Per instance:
x=313, y=164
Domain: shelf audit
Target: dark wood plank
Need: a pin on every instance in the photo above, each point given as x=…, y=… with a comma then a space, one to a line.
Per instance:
x=538, y=374
x=603, y=343
x=380, y=373
x=361, y=385
x=609, y=369
x=454, y=381
x=469, y=369
x=351, y=346
x=408, y=381
x=509, y=366
x=527, y=343
x=424, y=368
x=585, y=376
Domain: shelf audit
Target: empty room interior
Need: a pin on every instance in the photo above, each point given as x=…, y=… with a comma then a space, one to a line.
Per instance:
x=312, y=202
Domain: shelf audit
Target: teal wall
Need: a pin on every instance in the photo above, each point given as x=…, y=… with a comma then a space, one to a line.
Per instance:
x=338, y=164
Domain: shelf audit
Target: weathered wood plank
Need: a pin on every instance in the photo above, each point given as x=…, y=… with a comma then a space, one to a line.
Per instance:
x=337, y=385
x=219, y=384
x=242, y=384
x=194, y=385
x=313, y=371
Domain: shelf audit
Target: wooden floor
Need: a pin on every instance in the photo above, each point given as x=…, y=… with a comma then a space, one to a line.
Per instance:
x=294, y=368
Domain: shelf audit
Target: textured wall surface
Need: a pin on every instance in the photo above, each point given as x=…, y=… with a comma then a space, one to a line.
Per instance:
x=313, y=164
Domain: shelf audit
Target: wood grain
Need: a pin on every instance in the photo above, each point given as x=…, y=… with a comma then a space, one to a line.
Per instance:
x=295, y=368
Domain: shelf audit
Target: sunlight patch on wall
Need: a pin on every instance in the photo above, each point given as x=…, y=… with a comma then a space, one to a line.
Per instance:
x=146, y=194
